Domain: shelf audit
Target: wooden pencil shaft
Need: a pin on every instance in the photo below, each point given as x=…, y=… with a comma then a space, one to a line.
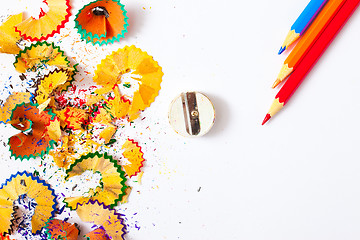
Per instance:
x=316, y=50
x=314, y=31
x=308, y=15
x=302, y=23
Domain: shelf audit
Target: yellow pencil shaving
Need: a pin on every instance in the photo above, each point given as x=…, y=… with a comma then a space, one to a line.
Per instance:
x=43, y=105
x=108, y=132
x=140, y=177
x=9, y=37
x=54, y=130
x=126, y=196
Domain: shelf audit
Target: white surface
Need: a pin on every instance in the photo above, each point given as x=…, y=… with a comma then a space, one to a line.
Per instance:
x=295, y=178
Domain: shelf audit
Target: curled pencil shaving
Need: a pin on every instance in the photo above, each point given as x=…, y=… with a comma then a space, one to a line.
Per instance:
x=102, y=22
x=101, y=120
x=89, y=129
x=112, y=184
x=138, y=66
x=97, y=234
x=134, y=155
x=117, y=106
x=63, y=155
x=14, y=99
x=48, y=23
x=9, y=37
x=47, y=85
x=72, y=146
x=76, y=118
x=25, y=185
x=37, y=131
x=59, y=230
x=39, y=54
x=103, y=215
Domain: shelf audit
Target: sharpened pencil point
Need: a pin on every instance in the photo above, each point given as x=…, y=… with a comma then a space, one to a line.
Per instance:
x=277, y=82
x=267, y=117
x=282, y=49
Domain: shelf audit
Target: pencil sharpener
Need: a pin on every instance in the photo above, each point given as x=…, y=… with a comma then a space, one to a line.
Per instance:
x=191, y=114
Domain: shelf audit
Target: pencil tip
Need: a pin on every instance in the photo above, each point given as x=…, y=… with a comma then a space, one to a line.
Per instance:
x=267, y=117
x=282, y=49
x=277, y=82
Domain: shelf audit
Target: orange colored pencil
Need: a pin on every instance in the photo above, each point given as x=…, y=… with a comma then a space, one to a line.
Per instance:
x=309, y=38
x=303, y=22
x=311, y=57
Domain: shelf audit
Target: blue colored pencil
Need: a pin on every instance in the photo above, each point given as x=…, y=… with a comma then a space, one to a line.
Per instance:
x=303, y=22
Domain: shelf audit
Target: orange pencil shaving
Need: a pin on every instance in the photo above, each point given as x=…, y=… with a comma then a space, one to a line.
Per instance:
x=308, y=40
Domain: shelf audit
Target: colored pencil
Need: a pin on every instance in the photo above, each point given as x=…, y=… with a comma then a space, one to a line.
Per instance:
x=311, y=57
x=302, y=22
x=309, y=38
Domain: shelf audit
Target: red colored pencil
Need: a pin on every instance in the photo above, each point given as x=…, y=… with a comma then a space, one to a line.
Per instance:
x=311, y=57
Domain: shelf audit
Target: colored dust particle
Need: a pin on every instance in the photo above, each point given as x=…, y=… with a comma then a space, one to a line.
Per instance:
x=66, y=132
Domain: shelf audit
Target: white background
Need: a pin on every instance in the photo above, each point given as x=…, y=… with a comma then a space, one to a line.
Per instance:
x=297, y=177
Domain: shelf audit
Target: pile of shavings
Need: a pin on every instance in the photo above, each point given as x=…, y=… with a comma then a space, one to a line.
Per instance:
x=75, y=128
